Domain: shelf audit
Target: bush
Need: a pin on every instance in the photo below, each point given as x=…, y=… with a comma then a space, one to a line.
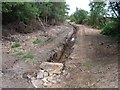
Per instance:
x=18, y=11
x=79, y=16
x=110, y=29
x=15, y=45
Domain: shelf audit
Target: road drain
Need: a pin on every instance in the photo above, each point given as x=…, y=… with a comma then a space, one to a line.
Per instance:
x=65, y=49
x=53, y=69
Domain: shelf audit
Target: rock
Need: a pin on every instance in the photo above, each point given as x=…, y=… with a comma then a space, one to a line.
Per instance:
x=101, y=43
x=68, y=75
x=73, y=39
x=53, y=81
x=40, y=74
x=37, y=83
x=52, y=67
x=29, y=76
x=1, y=73
x=50, y=79
x=65, y=72
x=33, y=78
x=47, y=84
x=46, y=74
x=45, y=80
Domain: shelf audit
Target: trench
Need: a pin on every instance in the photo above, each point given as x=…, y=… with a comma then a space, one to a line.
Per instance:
x=67, y=48
x=62, y=55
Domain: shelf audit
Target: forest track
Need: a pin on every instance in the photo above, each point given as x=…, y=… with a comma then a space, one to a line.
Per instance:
x=91, y=61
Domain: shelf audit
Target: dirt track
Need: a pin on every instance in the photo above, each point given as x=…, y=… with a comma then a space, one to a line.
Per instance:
x=93, y=62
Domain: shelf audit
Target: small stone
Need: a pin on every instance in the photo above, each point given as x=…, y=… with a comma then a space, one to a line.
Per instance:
x=64, y=72
x=101, y=43
x=58, y=80
x=1, y=73
x=40, y=74
x=46, y=74
x=29, y=76
x=45, y=80
x=47, y=84
x=68, y=75
x=73, y=39
x=37, y=83
x=53, y=81
x=33, y=78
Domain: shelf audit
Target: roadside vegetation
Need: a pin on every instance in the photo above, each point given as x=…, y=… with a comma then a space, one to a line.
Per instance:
x=102, y=16
x=26, y=12
x=38, y=41
x=26, y=17
x=15, y=44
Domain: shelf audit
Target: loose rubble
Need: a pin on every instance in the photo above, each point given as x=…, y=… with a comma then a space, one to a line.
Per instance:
x=52, y=67
x=48, y=74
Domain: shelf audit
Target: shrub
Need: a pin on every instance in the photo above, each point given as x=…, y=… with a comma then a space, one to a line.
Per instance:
x=79, y=16
x=18, y=11
x=37, y=41
x=110, y=29
x=15, y=44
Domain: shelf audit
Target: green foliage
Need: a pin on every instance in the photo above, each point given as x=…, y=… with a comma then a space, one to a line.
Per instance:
x=97, y=13
x=19, y=54
x=38, y=41
x=109, y=29
x=79, y=16
x=28, y=57
x=112, y=28
x=18, y=11
x=15, y=44
x=26, y=11
x=88, y=65
x=53, y=10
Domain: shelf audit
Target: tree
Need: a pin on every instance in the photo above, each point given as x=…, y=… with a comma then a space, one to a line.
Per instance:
x=112, y=28
x=18, y=11
x=97, y=13
x=79, y=16
x=26, y=11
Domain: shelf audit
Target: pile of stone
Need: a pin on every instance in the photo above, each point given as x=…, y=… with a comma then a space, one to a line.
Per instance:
x=47, y=76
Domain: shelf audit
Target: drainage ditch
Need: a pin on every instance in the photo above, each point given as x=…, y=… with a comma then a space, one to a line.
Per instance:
x=64, y=50
x=53, y=69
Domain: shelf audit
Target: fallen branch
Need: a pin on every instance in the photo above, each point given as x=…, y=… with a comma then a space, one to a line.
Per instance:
x=42, y=26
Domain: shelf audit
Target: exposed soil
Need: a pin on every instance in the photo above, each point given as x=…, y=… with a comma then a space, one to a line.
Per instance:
x=92, y=62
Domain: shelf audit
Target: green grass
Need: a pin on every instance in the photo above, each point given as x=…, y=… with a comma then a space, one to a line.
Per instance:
x=28, y=57
x=38, y=41
x=15, y=45
x=19, y=54
x=88, y=65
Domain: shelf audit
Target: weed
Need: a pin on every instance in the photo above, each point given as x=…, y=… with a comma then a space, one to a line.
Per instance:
x=28, y=57
x=19, y=54
x=15, y=44
x=89, y=66
x=37, y=41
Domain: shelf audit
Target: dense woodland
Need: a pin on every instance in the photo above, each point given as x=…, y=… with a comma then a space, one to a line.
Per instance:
x=105, y=16
x=25, y=12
